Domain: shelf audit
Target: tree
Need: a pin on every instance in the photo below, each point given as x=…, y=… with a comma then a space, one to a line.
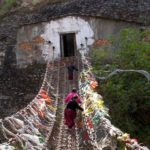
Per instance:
x=126, y=94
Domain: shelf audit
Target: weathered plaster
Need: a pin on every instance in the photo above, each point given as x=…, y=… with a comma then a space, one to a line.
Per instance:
x=90, y=27
x=65, y=25
x=104, y=28
x=28, y=51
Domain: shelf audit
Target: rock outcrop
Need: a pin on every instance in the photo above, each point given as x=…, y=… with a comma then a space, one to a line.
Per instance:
x=135, y=11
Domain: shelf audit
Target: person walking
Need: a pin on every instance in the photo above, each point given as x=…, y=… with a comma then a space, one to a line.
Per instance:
x=70, y=112
x=71, y=68
x=71, y=95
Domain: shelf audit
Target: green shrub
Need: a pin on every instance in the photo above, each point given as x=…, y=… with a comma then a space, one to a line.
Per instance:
x=8, y=4
x=126, y=94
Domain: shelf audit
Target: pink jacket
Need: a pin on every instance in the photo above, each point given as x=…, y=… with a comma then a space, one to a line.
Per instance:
x=70, y=96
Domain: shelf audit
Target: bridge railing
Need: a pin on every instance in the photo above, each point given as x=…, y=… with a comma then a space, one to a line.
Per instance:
x=100, y=131
x=28, y=128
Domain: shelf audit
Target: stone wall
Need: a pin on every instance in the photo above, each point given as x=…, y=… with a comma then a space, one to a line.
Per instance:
x=32, y=39
x=28, y=47
x=135, y=11
x=18, y=87
x=104, y=28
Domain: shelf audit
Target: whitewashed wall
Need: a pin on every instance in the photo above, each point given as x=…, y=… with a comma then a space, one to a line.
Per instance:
x=90, y=27
x=50, y=31
x=69, y=24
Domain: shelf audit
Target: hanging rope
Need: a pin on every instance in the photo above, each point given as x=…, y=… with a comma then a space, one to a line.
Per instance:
x=31, y=127
x=100, y=131
x=27, y=124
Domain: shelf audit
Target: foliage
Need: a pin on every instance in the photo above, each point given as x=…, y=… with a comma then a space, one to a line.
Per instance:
x=42, y=139
x=8, y=4
x=126, y=94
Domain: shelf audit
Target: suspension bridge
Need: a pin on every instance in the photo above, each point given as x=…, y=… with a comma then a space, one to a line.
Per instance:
x=40, y=125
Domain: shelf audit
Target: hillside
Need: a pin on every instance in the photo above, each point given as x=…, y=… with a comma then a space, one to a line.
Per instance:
x=12, y=6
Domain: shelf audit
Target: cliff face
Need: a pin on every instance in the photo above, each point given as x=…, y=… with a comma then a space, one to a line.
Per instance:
x=135, y=11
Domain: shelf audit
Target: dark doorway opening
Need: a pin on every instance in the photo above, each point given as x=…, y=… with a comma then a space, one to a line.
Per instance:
x=68, y=44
